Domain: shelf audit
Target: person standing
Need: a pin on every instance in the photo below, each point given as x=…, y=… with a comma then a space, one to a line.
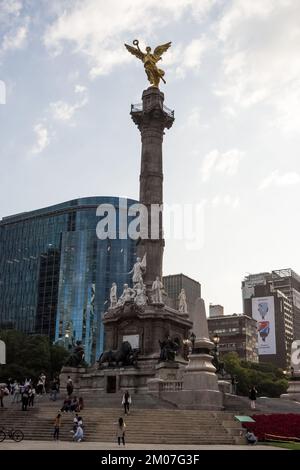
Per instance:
x=25, y=398
x=2, y=395
x=53, y=390
x=121, y=426
x=252, y=397
x=57, y=424
x=70, y=387
x=126, y=401
x=39, y=387
x=31, y=394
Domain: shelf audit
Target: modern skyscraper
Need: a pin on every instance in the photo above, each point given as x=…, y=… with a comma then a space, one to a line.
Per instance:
x=173, y=285
x=271, y=298
x=55, y=274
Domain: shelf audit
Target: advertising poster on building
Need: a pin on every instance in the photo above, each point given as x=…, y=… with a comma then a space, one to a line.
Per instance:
x=263, y=313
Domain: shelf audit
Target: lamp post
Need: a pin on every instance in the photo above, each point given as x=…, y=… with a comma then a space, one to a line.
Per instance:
x=193, y=339
x=216, y=340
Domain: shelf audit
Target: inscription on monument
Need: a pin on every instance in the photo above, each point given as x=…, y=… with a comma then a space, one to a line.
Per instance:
x=134, y=340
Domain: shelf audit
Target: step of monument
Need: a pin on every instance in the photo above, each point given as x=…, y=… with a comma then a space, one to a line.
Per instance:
x=143, y=425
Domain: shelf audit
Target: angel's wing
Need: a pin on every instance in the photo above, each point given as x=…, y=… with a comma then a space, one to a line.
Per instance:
x=137, y=52
x=159, y=50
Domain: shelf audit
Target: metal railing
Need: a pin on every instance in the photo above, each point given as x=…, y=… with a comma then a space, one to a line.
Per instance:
x=172, y=386
x=138, y=108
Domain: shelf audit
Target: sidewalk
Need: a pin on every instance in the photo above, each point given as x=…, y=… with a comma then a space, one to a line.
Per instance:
x=62, y=445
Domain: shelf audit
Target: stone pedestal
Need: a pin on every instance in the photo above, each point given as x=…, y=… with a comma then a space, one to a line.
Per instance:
x=200, y=382
x=293, y=391
x=75, y=373
x=198, y=388
x=146, y=326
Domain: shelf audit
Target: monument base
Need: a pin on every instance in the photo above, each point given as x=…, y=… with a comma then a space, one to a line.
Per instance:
x=293, y=391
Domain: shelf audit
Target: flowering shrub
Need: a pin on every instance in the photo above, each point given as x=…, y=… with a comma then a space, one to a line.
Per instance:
x=275, y=425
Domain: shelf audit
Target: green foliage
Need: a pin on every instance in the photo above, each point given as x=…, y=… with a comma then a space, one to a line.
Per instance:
x=269, y=380
x=58, y=355
x=29, y=355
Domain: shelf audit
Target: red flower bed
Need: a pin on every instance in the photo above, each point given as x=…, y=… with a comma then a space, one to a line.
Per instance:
x=281, y=425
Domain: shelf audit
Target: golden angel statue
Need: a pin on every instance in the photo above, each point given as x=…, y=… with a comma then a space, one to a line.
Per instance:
x=150, y=60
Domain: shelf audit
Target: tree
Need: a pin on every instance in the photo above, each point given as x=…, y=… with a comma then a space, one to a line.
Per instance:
x=29, y=355
x=269, y=380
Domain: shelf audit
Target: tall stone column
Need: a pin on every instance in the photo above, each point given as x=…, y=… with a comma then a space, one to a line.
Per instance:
x=152, y=119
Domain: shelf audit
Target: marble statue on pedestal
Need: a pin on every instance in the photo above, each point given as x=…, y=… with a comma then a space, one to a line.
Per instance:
x=113, y=295
x=140, y=294
x=127, y=295
x=157, y=290
x=138, y=270
x=182, y=302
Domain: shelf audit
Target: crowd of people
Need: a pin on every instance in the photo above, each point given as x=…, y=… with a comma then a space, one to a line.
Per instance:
x=25, y=391
x=71, y=404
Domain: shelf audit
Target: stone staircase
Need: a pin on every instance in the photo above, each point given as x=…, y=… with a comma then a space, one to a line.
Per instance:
x=144, y=425
x=241, y=405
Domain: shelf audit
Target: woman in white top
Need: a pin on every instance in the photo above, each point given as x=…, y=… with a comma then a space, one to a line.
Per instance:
x=126, y=401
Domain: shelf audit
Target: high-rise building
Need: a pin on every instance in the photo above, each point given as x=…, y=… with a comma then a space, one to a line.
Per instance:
x=215, y=310
x=288, y=282
x=173, y=285
x=56, y=274
x=272, y=300
x=237, y=333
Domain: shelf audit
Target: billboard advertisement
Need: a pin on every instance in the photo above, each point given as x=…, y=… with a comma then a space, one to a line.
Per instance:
x=263, y=313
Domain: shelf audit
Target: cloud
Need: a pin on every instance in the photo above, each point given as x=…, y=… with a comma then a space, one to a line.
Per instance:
x=227, y=200
x=42, y=138
x=259, y=45
x=277, y=179
x=63, y=111
x=190, y=57
x=13, y=25
x=8, y=9
x=215, y=161
x=97, y=29
x=15, y=39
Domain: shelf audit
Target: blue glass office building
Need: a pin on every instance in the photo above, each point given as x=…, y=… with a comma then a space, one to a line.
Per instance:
x=56, y=274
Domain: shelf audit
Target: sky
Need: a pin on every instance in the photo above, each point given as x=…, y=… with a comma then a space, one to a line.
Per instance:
x=233, y=79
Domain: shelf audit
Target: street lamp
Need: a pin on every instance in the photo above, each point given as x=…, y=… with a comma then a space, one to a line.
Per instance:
x=193, y=339
x=216, y=340
x=216, y=362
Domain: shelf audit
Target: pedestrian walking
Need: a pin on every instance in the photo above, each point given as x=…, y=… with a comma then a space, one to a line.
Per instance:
x=120, y=431
x=126, y=401
x=252, y=397
x=57, y=424
x=53, y=390
x=16, y=392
